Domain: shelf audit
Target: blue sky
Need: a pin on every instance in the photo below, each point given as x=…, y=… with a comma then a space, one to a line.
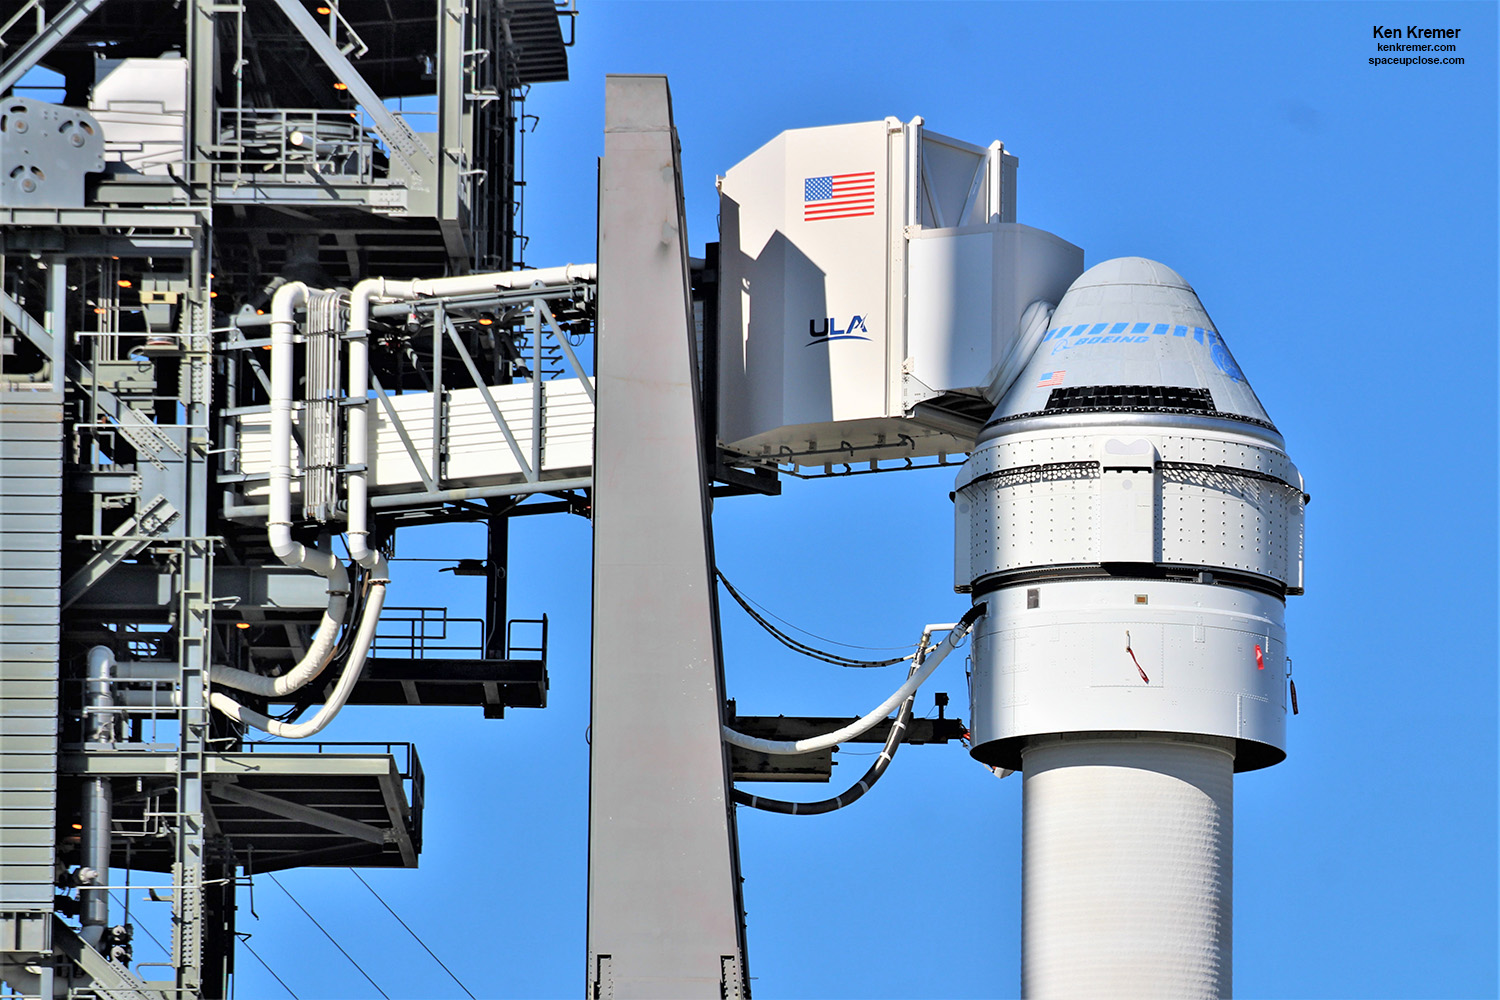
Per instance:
x=1339, y=222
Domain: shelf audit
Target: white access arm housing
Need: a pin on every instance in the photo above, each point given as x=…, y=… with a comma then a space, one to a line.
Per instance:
x=873, y=281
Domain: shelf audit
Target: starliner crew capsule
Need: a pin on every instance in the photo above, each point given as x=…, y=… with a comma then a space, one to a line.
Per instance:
x=1133, y=522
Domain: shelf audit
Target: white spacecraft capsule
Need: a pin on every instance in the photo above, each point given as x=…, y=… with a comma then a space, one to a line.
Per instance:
x=1132, y=519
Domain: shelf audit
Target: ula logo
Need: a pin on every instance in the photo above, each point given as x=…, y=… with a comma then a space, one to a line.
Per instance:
x=825, y=329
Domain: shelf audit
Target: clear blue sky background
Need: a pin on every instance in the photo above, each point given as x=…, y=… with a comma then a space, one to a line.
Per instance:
x=1339, y=223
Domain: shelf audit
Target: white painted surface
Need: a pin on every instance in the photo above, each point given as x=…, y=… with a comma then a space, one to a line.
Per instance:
x=1127, y=871
x=827, y=339
x=477, y=453
x=141, y=104
x=1063, y=666
x=1060, y=517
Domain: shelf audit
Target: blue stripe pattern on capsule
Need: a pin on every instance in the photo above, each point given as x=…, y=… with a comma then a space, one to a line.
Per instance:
x=1090, y=334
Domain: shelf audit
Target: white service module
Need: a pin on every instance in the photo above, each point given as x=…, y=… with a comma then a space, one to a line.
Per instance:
x=476, y=454
x=873, y=283
x=1133, y=521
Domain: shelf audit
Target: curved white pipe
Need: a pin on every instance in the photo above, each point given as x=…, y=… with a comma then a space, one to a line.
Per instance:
x=313, y=663
x=876, y=716
x=279, y=526
x=379, y=578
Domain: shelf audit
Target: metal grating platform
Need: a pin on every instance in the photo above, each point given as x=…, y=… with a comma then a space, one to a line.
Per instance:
x=278, y=805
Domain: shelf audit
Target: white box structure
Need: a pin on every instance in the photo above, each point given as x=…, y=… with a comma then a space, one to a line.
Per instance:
x=873, y=276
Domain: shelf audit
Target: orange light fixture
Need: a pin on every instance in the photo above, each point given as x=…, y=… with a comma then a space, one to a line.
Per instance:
x=325, y=10
x=485, y=321
x=340, y=85
x=123, y=282
x=241, y=624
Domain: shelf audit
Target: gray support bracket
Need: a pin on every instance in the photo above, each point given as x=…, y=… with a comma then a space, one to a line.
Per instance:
x=663, y=904
x=397, y=134
x=567, y=349
x=131, y=537
x=48, y=343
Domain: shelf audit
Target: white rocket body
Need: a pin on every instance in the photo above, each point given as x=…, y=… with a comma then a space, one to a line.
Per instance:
x=1132, y=519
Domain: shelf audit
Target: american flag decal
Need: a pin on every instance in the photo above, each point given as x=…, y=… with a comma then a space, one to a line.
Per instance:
x=838, y=196
x=1049, y=379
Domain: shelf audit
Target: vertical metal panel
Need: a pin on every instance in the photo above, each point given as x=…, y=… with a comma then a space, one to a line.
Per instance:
x=31, y=501
x=663, y=911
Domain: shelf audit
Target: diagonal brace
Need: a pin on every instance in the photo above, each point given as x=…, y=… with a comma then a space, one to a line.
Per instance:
x=304, y=814
x=397, y=134
x=35, y=48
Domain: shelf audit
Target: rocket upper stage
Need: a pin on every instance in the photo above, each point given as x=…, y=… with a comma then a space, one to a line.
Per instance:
x=1131, y=336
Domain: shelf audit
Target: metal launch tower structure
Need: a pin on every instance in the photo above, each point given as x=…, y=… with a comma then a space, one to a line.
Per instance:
x=264, y=304
x=192, y=167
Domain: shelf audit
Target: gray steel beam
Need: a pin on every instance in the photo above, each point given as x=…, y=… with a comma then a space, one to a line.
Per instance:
x=138, y=588
x=35, y=48
x=320, y=818
x=48, y=342
x=663, y=906
x=133, y=535
x=397, y=134
x=111, y=981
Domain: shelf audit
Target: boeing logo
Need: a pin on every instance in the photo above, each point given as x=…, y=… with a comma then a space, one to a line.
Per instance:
x=824, y=329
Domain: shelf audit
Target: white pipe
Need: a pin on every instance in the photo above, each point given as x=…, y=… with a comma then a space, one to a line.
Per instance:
x=379, y=578
x=958, y=630
x=155, y=697
x=283, y=305
x=279, y=526
x=360, y=299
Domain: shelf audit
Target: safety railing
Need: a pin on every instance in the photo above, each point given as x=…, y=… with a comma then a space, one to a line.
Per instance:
x=296, y=145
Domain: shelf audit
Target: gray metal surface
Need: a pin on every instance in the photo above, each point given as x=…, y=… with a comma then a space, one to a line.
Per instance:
x=663, y=912
x=31, y=451
x=45, y=152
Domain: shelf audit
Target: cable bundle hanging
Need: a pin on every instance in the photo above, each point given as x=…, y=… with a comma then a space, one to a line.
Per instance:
x=836, y=659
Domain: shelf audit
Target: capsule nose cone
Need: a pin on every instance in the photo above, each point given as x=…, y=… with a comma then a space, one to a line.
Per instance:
x=1131, y=335
x=1131, y=271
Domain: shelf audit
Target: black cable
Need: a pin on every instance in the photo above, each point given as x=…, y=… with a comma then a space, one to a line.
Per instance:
x=797, y=628
x=413, y=933
x=245, y=940
x=887, y=754
x=329, y=936
x=308, y=696
x=836, y=659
